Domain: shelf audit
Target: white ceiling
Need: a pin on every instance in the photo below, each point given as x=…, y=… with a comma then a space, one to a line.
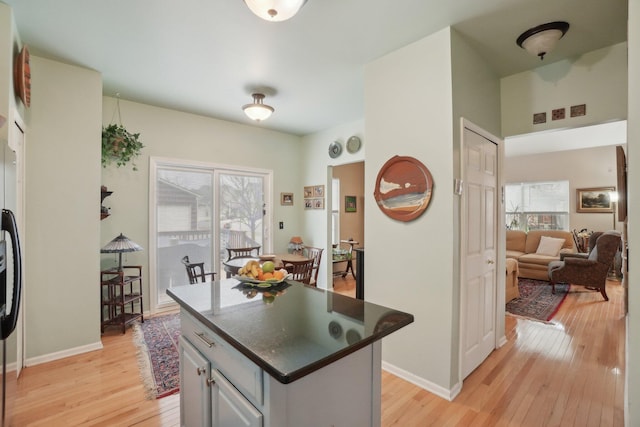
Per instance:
x=207, y=56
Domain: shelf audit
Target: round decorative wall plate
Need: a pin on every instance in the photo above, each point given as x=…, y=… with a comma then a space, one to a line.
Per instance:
x=22, y=76
x=335, y=149
x=353, y=144
x=403, y=188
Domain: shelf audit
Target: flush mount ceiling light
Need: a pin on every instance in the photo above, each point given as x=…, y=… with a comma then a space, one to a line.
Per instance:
x=257, y=110
x=542, y=39
x=275, y=10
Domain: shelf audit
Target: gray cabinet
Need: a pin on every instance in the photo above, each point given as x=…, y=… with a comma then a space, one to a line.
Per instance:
x=216, y=382
x=195, y=394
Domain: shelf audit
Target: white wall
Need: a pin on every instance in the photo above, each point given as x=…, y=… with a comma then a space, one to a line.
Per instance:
x=632, y=408
x=409, y=265
x=174, y=134
x=62, y=204
x=566, y=83
x=586, y=168
x=317, y=170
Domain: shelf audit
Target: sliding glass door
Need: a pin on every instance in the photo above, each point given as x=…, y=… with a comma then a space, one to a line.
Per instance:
x=198, y=211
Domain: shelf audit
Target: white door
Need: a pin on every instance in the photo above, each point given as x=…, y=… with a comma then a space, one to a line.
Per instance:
x=479, y=231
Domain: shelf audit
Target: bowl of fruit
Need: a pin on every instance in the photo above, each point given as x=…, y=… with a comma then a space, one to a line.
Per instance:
x=262, y=275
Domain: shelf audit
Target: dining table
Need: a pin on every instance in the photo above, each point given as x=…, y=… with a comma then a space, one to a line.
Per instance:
x=233, y=265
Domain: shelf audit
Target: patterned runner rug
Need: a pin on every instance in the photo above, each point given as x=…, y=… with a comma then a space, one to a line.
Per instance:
x=158, y=358
x=536, y=300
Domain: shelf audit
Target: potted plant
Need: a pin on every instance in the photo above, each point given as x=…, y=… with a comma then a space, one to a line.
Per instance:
x=120, y=146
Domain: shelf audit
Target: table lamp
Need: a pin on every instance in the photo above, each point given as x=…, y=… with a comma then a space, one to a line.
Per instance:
x=119, y=245
x=295, y=244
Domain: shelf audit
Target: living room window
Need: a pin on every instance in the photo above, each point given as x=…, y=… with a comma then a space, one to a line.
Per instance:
x=537, y=205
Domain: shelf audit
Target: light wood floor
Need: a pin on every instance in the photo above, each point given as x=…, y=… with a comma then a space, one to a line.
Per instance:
x=568, y=373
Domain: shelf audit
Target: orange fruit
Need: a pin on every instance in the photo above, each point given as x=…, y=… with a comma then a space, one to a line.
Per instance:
x=278, y=275
x=267, y=276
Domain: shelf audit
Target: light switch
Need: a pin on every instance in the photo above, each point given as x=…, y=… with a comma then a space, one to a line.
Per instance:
x=281, y=225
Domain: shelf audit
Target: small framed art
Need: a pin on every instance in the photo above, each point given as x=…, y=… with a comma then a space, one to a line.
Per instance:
x=350, y=204
x=286, y=199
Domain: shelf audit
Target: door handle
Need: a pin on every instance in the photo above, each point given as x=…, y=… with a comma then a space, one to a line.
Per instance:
x=490, y=261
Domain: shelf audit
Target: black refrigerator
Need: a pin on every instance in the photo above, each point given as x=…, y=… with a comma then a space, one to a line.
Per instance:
x=10, y=282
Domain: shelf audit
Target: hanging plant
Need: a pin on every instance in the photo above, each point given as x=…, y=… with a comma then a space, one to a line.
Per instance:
x=119, y=145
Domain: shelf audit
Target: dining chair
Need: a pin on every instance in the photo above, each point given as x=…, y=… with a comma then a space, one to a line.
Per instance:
x=195, y=271
x=248, y=252
x=234, y=253
x=301, y=271
x=316, y=254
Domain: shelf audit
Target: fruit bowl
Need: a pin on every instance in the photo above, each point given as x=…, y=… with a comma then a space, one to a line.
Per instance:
x=251, y=281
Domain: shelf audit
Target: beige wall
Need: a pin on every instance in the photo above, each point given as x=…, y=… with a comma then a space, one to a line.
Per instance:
x=409, y=265
x=586, y=168
x=566, y=83
x=62, y=210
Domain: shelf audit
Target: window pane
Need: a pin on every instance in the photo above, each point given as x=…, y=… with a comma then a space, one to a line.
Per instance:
x=183, y=225
x=537, y=205
x=241, y=212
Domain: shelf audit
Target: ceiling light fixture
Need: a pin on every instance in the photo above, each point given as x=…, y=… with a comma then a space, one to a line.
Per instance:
x=542, y=39
x=257, y=110
x=275, y=10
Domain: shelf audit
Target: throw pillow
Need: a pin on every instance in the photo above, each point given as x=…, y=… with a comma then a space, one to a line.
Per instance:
x=549, y=246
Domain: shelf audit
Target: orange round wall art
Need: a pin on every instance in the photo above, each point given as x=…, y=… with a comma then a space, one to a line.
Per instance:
x=403, y=188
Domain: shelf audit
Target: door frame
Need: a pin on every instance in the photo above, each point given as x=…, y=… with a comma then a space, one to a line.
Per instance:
x=500, y=243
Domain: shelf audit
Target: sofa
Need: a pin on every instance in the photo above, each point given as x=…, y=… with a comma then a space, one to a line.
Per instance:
x=534, y=250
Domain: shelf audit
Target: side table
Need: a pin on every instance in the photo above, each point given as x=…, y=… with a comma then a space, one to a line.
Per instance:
x=121, y=294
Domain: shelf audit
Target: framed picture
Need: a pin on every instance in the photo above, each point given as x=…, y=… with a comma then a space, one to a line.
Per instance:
x=308, y=192
x=286, y=199
x=318, y=191
x=315, y=203
x=595, y=200
x=350, y=204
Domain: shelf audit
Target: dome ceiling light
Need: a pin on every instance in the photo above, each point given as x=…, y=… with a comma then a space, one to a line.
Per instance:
x=275, y=10
x=542, y=39
x=257, y=110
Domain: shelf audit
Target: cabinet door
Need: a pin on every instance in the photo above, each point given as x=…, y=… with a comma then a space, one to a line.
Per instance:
x=229, y=407
x=195, y=393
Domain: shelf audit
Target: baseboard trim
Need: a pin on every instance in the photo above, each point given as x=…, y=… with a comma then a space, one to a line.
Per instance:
x=448, y=394
x=32, y=361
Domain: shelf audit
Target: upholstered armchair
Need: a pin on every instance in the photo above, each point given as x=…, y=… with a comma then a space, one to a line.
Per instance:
x=590, y=272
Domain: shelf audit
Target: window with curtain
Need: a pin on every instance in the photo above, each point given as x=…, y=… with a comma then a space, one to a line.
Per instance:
x=537, y=205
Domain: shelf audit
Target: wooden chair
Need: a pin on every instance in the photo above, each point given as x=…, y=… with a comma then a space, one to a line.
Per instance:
x=233, y=253
x=301, y=270
x=249, y=252
x=316, y=254
x=195, y=271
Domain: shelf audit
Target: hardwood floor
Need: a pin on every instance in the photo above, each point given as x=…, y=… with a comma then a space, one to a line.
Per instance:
x=567, y=373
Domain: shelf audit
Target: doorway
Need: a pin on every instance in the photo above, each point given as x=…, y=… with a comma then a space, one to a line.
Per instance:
x=347, y=216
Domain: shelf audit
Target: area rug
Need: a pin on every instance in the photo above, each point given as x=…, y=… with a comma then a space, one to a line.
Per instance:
x=536, y=300
x=158, y=358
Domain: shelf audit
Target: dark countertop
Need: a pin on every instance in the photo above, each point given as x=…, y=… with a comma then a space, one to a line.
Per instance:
x=292, y=329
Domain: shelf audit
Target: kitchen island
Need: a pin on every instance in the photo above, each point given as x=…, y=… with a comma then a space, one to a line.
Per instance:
x=290, y=355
